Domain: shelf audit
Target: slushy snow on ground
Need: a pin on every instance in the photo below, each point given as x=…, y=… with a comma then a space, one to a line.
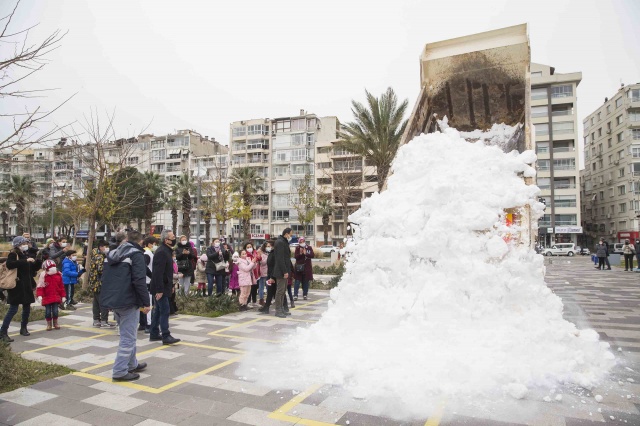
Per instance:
x=434, y=303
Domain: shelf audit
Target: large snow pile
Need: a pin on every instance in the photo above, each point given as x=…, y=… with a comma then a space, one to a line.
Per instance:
x=433, y=300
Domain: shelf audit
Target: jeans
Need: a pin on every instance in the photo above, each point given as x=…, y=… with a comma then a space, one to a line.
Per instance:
x=51, y=311
x=126, y=355
x=185, y=284
x=99, y=313
x=219, y=280
x=160, y=318
x=261, y=283
x=281, y=291
x=305, y=287
x=13, y=309
x=70, y=290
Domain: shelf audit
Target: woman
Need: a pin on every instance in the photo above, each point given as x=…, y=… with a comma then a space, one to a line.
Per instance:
x=55, y=250
x=185, y=257
x=22, y=293
x=264, y=251
x=629, y=253
x=246, y=278
x=303, y=270
x=256, y=257
x=216, y=269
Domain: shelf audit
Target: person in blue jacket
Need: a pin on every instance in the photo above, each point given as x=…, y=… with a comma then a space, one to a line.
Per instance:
x=71, y=271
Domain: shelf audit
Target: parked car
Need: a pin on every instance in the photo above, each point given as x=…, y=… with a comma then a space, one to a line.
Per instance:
x=617, y=248
x=583, y=251
x=328, y=249
x=561, y=249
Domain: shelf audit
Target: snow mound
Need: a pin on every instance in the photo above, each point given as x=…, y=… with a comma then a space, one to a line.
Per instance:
x=434, y=302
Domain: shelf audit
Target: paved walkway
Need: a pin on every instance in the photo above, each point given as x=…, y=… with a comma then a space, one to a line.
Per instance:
x=194, y=382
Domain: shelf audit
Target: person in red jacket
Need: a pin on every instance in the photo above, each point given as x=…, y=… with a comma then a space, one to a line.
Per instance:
x=51, y=293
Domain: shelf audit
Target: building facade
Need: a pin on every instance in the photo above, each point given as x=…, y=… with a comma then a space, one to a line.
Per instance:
x=610, y=181
x=554, y=117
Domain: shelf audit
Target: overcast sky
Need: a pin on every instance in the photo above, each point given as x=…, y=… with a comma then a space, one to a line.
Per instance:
x=202, y=65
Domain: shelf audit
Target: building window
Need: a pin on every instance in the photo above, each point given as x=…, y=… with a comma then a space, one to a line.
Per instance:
x=237, y=132
x=541, y=130
x=622, y=189
x=563, y=127
x=539, y=111
x=283, y=156
x=256, y=129
x=542, y=147
x=609, y=143
x=280, y=215
x=543, y=183
x=158, y=155
x=280, y=171
x=565, y=201
x=608, y=109
x=326, y=165
x=635, y=134
x=619, y=119
x=611, y=192
x=565, y=219
x=543, y=165
x=564, y=91
x=562, y=109
x=298, y=154
x=610, y=159
x=283, y=126
x=539, y=93
x=298, y=139
x=622, y=207
x=157, y=144
x=324, y=181
x=621, y=172
x=564, y=164
x=634, y=95
x=311, y=123
x=634, y=115
x=536, y=74
x=621, y=154
x=618, y=102
x=299, y=124
x=635, y=151
x=620, y=137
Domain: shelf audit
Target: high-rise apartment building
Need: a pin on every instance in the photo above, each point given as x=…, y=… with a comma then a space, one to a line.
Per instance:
x=610, y=180
x=554, y=116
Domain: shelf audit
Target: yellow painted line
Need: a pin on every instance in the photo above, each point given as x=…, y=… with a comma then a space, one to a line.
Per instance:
x=129, y=385
x=288, y=319
x=198, y=374
x=436, y=416
x=44, y=348
x=310, y=303
x=247, y=338
x=197, y=345
x=104, y=364
x=281, y=413
x=91, y=329
x=234, y=326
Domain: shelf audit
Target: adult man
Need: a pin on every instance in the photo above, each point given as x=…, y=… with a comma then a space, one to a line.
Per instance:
x=636, y=246
x=282, y=269
x=124, y=290
x=149, y=244
x=161, y=286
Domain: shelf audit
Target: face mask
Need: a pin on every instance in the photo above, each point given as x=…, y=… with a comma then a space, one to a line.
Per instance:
x=63, y=245
x=183, y=242
x=249, y=250
x=24, y=247
x=52, y=270
x=172, y=242
x=303, y=244
x=51, y=245
x=288, y=239
x=74, y=258
x=154, y=248
x=268, y=249
x=216, y=245
x=106, y=250
x=235, y=259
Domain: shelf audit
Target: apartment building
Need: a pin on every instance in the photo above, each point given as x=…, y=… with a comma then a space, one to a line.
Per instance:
x=554, y=117
x=610, y=181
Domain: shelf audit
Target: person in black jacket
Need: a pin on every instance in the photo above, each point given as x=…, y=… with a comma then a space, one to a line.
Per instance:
x=124, y=290
x=271, y=282
x=185, y=257
x=282, y=269
x=161, y=286
x=22, y=293
x=216, y=254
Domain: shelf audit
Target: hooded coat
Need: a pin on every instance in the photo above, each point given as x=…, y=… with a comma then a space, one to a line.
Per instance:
x=124, y=278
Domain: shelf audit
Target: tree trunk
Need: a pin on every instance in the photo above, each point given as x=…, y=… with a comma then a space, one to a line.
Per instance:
x=325, y=229
x=207, y=231
x=383, y=172
x=186, y=214
x=218, y=228
x=140, y=224
x=20, y=218
x=174, y=221
x=87, y=261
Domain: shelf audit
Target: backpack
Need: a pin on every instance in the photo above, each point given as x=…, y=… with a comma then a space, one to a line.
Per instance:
x=8, y=277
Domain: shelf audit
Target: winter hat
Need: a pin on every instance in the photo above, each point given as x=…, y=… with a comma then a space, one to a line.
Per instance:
x=301, y=240
x=49, y=241
x=204, y=258
x=235, y=256
x=47, y=264
x=19, y=240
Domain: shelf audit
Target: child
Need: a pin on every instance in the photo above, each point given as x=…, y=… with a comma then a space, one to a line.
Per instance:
x=201, y=275
x=234, y=285
x=51, y=292
x=246, y=278
x=71, y=271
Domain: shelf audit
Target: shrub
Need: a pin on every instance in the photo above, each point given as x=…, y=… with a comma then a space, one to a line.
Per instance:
x=206, y=306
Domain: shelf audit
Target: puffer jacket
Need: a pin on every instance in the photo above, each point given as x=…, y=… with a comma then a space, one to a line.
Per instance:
x=124, y=278
x=70, y=271
x=264, y=269
x=628, y=249
x=601, y=250
x=234, y=284
x=245, y=272
x=53, y=291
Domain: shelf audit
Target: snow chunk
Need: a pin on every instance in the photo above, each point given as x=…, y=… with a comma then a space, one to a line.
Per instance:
x=516, y=390
x=559, y=397
x=599, y=398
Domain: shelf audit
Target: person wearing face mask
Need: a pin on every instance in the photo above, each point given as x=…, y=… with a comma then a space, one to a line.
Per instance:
x=51, y=293
x=98, y=256
x=246, y=278
x=161, y=288
x=256, y=257
x=185, y=256
x=22, y=293
x=149, y=245
x=636, y=246
x=303, y=272
x=234, y=284
x=281, y=269
x=71, y=271
x=217, y=262
x=56, y=250
x=262, y=270
x=629, y=253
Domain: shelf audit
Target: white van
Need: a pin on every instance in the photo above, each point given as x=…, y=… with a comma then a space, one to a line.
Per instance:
x=561, y=249
x=617, y=248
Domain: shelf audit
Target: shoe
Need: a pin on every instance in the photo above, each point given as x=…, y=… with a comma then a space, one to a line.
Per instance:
x=4, y=337
x=295, y=297
x=281, y=315
x=107, y=324
x=24, y=331
x=127, y=377
x=155, y=338
x=49, y=325
x=61, y=306
x=243, y=308
x=264, y=309
x=70, y=307
x=287, y=313
x=96, y=324
x=74, y=303
x=169, y=340
x=261, y=302
x=304, y=297
x=141, y=327
x=147, y=330
x=141, y=366
x=293, y=305
x=55, y=324
x=608, y=269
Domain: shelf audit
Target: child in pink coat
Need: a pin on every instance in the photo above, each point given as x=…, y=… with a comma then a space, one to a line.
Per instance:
x=234, y=284
x=246, y=278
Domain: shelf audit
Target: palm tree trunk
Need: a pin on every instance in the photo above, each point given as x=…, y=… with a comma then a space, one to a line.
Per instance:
x=325, y=229
x=186, y=214
x=174, y=220
x=21, y=217
x=207, y=231
x=383, y=173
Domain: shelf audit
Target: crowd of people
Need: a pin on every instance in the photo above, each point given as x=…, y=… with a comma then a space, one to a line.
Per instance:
x=137, y=278
x=629, y=251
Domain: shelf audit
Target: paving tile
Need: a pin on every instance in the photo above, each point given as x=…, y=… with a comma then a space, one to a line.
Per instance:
x=207, y=406
x=251, y=416
x=150, y=422
x=64, y=407
x=11, y=413
x=114, y=401
x=27, y=396
x=106, y=417
x=161, y=412
x=74, y=391
x=52, y=419
x=114, y=388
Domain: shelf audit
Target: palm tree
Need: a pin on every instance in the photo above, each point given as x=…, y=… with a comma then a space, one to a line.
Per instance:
x=4, y=214
x=154, y=186
x=173, y=204
x=245, y=182
x=325, y=209
x=376, y=132
x=20, y=191
x=182, y=188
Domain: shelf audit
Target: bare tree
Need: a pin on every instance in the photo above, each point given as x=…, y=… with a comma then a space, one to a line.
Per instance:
x=304, y=202
x=346, y=179
x=24, y=60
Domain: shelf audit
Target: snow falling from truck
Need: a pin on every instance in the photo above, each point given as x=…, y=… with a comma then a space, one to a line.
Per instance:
x=438, y=301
